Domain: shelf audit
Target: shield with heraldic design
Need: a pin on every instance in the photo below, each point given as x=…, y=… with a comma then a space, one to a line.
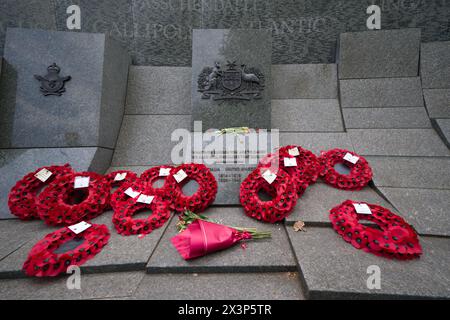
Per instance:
x=232, y=79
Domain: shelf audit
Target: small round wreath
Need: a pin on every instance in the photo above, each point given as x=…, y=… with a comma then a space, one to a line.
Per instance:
x=22, y=198
x=126, y=225
x=120, y=199
x=203, y=197
x=167, y=191
x=359, y=176
x=282, y=189
x=57, y=204
x=42, y=261
x=130, y=176
x=396, y=239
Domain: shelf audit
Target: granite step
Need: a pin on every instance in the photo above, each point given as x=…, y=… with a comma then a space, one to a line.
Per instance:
x=435, y=64
x=317, y=141
x=443, y=128
x=437, y=102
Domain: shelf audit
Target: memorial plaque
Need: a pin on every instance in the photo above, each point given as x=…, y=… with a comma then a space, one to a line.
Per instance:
x=231, y=80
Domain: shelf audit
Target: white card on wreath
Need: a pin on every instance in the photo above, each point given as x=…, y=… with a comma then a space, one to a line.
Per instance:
x=43, y=175
x=294, y=152
x=362, y=208
x=269, y=176
x=290, y=162
x=79, y=227
x=164, y=172
x=131, y=193
x=120, y=176
x=351, y=158
x=143, y=198
x=81, y=182
x=180, y=175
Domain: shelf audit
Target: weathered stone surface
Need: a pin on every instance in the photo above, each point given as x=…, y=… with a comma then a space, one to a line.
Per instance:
x=437, y=102
x=425, y=209
x=334, y=269
x=379, y=54
x=384, y=92
x=307, y=115
x=88, y=114
x=435, y=65
x=304, y=81
x=386, y=118
x=416, y=172
x=146, y=139
x=243, y=46
x=444, y=127
x=314, y=206
x=398, y=142
x=159, y=90
x=263, y=255
x=93, y=286
x=15, y=163
x=317, y=142
x=264, y=286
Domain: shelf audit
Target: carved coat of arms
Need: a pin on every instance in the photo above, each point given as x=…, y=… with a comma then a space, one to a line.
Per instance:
x=233, y=83
x=52, y=84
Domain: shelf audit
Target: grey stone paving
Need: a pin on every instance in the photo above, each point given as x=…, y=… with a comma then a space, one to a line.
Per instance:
x=314, y=205
x=145, y=139
x=382, y=92
x=435, y=64
x=386, y=118
x=307, y=115
x=159, y=90
x=317, y=142
x=379, y=54
x=334, y=269
x=260, y=256
x=411, y=172
x=304, y=81
x=444, y=127
x=398, y=142
x=437, y=102
x=426, y=209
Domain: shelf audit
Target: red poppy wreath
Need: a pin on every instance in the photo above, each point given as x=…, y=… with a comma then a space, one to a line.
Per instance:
x=360, y=171
x=42, y=260
x=150, y=176
x=127, y=194
x=282, y=189
x=395, y=239
x=118, y=178
x=22, y=198
x=205, y=194
x=61, y=203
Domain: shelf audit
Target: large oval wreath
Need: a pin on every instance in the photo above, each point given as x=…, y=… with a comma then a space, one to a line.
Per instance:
x=42, y=261
x=23, y=196
x=57, y=204
x=126, y=225
x=360, y=173
x=282, y=189
x=396, y=239
x=167, y=191
x=203, y=197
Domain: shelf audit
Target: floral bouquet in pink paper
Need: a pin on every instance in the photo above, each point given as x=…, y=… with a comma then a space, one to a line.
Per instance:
x=198, y=236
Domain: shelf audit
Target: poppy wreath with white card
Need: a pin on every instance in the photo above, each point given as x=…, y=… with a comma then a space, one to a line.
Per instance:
x=395, y=238
x=280, y=186
x=360, y=171
x=117, y=178
x=127, y=193
x=22, y=197
x=150, y=176
x=42, y=260
x=64, y=202
x=205, y=194
x=126, y=225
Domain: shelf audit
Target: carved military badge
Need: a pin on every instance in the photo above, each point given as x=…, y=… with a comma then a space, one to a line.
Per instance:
x=233, y=83
x=52, y=84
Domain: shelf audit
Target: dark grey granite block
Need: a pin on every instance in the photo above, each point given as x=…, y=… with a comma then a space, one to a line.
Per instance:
x=317, y=142
x=260, y=256
x=386, y=118
x=219, y=286
x=93, y=286
x=385, y=92
x=435, y=65
x=15, y=163
x=425, y=209
x=398, y=142
x=379, y=54
x=444, y=129
x=146, y=139
x=411, y=172
x=88, y=114
x=242, y=46
x=334, y=269
x=159, y=90
x=437, y=102
x=304, y=81
x=315, y=204
x=296, y=115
